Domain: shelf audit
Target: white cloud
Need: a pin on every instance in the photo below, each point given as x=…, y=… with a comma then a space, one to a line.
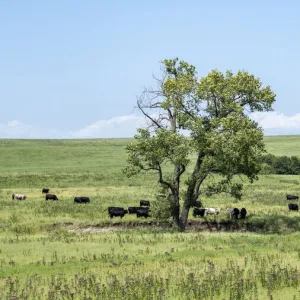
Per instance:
x=277, y=123
x=124, y=126
x=18, y=130
x=14, y=123
x=272, y=120
x=273, y=123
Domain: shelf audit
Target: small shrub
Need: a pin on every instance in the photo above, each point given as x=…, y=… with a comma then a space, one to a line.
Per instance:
x=161, y=208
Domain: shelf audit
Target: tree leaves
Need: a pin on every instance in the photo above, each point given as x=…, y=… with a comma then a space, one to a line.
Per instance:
x=213, y=110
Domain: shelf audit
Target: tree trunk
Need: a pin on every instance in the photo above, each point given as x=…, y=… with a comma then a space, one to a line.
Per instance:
x=190, y=193
x=176, y=219
x=184, y=217
x=175, y=202
x=189, y=198
x=175, y=209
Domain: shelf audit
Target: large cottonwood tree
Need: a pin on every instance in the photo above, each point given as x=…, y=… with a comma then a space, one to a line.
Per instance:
x=206, y=117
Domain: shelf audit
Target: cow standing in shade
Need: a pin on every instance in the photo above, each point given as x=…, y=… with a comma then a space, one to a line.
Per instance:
x=199, y=212
x=235, y=213
x=229, y=211
x=212, y=211
x=232, y=212
x=144, y=203
x=45, y=191
x=51, y=197
x=142, y=212
x=243, y=213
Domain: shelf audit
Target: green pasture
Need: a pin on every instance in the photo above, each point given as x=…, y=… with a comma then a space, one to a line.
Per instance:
x=61, y=250
x=85, y=163
x=288, y=145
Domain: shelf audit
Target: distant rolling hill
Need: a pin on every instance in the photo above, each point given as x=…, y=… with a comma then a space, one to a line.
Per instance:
x=88, y=154
x=288, y=145
x=86, y=162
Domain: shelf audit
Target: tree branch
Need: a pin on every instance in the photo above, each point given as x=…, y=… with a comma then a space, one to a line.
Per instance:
x=198, y=184
x=162, y=181
x=148, y=116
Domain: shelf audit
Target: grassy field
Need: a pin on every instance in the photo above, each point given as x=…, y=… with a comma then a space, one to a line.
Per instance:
x=60, y=250
x=288, y=145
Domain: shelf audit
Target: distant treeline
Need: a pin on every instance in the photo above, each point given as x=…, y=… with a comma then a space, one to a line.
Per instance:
x=272, y=164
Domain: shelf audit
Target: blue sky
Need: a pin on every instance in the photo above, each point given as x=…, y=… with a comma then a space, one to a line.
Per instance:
x=74, y=68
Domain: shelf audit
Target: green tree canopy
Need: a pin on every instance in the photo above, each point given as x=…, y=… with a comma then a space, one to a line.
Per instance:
x=213, y=110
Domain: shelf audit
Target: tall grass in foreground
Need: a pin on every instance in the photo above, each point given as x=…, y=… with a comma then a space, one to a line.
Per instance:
x=156, y=265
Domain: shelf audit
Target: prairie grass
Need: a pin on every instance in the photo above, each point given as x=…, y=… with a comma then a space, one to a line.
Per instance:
x=62, y=250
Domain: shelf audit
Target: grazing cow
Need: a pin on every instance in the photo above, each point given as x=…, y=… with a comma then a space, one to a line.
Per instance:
x=51, y=197
x=116, y=212
x=19, y=197
x=133, y=209
x=82, y=200
x=142, y=212
x=243, y=213
x=291, y=197
x=199, y=212
x=212, y=211
x=293, y=207
x=112, y=207
x=144, y=203
x=45, y=191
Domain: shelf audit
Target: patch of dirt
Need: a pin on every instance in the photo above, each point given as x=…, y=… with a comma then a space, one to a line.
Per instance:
x=192, y=226
x=94, y=229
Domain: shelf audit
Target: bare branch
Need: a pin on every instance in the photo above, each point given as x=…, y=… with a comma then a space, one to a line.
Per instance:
x=149, y=169
x=182, y=170
x=161, y=180
x=147, y=115
x=198, y=184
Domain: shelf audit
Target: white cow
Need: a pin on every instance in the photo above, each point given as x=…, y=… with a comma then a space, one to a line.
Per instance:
x=229, y=212
x=212, y=211
x=19, y=197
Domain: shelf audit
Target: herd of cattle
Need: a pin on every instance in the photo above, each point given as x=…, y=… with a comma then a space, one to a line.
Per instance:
x=51, y=197
x=141, y=211
x=232, y=213
x=144, y=209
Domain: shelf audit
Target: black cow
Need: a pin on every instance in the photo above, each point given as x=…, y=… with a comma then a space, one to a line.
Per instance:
x=133, y=209
x=45, y=191
x=142, y=212
x=293, y=206
x=116, y=212
x=291, y=197
x=235, y=213
x=243, y=213
x=82, y=200
x=110, y=208
x=51, y=197
x=199, y=212
x=144, y=203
